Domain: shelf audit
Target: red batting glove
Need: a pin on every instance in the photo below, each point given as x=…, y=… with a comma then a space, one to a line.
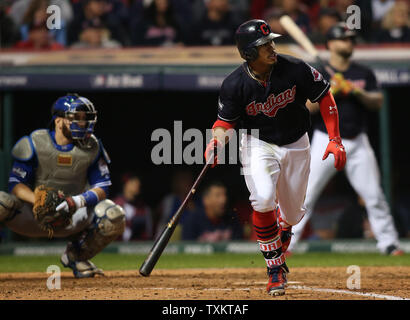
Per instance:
x=212, y=150
x=336, y=147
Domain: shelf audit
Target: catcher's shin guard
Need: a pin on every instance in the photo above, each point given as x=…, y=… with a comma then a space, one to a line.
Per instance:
x=81, y=269
x=108, y=224
x=9, y=204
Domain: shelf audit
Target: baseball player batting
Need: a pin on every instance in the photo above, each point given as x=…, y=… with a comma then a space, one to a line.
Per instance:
x=355, y=89
x=268, y=92
x=58, y=186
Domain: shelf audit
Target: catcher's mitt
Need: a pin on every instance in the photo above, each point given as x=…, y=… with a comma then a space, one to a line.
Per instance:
x=46, y=200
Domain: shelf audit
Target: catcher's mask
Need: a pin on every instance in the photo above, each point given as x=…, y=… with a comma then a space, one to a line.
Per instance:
x=81, y=114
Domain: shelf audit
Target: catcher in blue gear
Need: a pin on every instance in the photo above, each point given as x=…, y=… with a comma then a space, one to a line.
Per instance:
x=59, y=183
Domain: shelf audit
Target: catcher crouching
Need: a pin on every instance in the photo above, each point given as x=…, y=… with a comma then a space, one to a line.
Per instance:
x=59, y=183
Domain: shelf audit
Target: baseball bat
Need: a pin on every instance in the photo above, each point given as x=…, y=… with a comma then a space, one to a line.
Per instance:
x=300, y=37
x=162, y=241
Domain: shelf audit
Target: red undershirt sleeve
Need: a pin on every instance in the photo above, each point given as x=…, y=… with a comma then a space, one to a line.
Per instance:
x=224, y=124
x=330, y=115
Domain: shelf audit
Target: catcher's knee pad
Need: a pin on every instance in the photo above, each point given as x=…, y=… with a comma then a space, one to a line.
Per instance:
x=108, y=224
x=9, y=204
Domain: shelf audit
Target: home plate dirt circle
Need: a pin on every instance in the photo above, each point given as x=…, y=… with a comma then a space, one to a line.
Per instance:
x=314, y=283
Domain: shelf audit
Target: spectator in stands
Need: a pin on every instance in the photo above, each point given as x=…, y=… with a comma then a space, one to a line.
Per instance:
x=328, y=17
x=272, y=17
x=138, y=216
x=257, y=7
x=395, y=24
x=9, y=33
x=364, y=32
x=341, y=7
x=217, y=25
x=36, y=15
x=38, y=38
x=215, y=222
x=157, y=26
x=379, y=8
x=95, y=34
x=182, y=182
x=97, y=12
x=19, y=8
x=294, y=8
x=298, y=12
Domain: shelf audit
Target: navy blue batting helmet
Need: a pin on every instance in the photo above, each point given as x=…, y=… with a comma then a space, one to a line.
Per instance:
x=251, y=34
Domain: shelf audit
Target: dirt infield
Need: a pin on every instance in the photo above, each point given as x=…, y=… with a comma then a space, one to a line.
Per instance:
x=328, y=283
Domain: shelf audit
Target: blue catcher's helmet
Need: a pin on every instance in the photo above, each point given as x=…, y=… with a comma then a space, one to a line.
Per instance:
x=80, y=112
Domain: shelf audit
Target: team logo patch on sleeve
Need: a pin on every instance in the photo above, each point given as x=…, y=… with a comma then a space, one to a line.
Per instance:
x=317, y=76
x=64, y=160
x=19, y=172
x=103, y=167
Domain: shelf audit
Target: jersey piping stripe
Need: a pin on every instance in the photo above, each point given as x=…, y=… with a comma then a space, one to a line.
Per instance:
x=101, y=184
x=324, y=90
x=227, y=120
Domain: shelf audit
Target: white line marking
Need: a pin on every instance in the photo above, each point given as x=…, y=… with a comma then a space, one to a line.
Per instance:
x=365, y=294
x=262, y=282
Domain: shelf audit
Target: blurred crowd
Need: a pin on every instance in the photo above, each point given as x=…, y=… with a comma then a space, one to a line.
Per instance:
x=208, y=217
x=31, y=24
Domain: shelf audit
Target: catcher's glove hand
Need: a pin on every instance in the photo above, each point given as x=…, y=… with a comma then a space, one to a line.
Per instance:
x=46, y=200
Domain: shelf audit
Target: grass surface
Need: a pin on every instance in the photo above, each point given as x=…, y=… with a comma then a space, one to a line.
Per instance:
x=109, y=261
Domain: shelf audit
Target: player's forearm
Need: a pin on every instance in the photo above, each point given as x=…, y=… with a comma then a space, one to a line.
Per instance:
x=219, y=133
x=371, y=100
x=221, y=130
x=23, y=192
x=313, y=107
x=330, y=115
x=91, y=197
x=101, y=194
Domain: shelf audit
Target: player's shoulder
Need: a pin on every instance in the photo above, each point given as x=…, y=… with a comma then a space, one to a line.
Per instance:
x=286, y=59
x=235, y=79
x=358, y=67
x=24, y=149
x=39, y=133
x=97, y=144
x=291, y=65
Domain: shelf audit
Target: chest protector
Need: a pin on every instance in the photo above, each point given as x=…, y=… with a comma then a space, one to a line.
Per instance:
x=63, y=170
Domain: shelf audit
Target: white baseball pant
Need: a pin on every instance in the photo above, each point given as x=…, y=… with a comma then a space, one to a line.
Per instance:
x=276, y=175
x=363, y=174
